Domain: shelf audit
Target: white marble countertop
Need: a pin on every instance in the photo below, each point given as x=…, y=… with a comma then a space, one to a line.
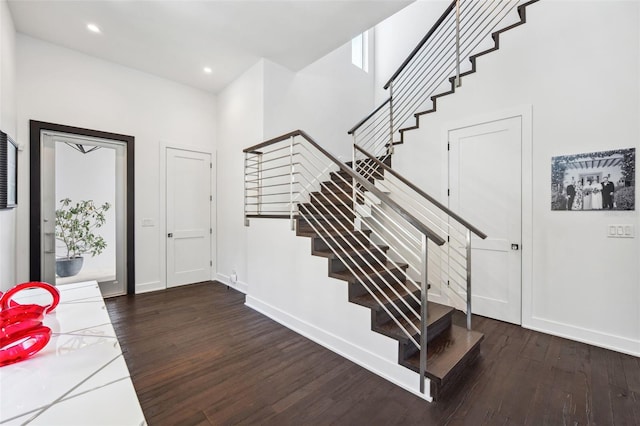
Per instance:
x=80, y=377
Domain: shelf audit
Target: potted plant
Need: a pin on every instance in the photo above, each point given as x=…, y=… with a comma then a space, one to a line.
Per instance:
x=75, y=227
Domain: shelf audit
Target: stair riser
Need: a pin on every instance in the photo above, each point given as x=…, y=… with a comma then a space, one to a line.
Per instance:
x=338, y=187
x=341, y=178
x=357, y=289
x=332, y=211
x=379, y=316
x=341, y=241
x=328, y=212
x=438, y=391
x=360, y=258
x=407, y=349
x=332, y=198
x=305, y=225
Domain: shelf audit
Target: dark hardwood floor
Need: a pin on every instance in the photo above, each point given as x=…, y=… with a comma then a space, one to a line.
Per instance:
x=198, y=356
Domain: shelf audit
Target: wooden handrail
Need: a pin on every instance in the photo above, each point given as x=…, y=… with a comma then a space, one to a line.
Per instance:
x=422, y=43
x=277, y=139
x=423, y=194
x=360, y=180
x=364, y=120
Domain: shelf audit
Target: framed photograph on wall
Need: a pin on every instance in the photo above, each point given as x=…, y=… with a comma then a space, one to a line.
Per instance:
x=594, y=181
x=8, y=172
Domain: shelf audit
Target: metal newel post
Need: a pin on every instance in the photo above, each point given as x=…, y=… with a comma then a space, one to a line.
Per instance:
x=353, y=182
x=259, y=181
x=468, y=279
x=390, y=149
x=458, y=82
x=291, y=183
x=423, y=313
x=246, y=219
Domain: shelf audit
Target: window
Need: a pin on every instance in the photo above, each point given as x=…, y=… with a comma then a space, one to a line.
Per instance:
x=360, y=51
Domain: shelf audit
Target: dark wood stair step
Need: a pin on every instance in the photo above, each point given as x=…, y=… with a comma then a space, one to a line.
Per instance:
x=328, y=197
x=448, y=356
x=369, y=274
x=404, y=291
x=338, y=211
x=308, y=222
x=333, y=185
x=438, y=319
x=338, y=262
x=341, y=177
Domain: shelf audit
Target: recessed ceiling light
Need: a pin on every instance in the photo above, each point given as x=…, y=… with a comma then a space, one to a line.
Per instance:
x=93, y=28
x=207, y=70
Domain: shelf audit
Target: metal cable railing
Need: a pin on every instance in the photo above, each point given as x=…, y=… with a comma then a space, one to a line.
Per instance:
x=431, y=69
x=382, y=246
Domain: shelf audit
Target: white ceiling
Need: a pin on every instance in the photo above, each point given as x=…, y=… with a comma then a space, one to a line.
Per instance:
x=176, y=39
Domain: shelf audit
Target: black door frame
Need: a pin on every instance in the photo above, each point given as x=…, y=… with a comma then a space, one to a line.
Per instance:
x=35, y=220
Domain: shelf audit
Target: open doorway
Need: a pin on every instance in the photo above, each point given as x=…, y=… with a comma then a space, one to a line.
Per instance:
x=79, y=170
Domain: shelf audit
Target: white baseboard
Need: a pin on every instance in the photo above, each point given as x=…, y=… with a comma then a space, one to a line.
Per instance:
x=584, y=335
x=242, y=287
x=148, y=287
x=390, y=371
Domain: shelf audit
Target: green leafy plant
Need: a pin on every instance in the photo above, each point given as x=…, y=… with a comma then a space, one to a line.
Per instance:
x=75, y=226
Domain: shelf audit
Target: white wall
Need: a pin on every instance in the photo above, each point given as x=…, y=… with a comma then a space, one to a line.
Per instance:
x=8, y=218
x=62, y=86
x=325, y=100
x=577, y=64
x=240, y=125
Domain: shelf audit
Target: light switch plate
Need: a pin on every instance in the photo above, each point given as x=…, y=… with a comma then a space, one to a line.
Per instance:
x=621, y=231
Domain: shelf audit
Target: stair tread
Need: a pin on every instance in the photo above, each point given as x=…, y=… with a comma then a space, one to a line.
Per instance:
x=446, y=351
x=435, y=312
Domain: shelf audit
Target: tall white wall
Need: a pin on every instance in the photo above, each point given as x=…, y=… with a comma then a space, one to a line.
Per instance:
x=240, y=125
x=325, y=99
x=577, y=64
x=62, y=86
x=8, y=218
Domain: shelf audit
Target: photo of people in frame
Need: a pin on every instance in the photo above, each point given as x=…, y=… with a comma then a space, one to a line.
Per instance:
x=594, y=181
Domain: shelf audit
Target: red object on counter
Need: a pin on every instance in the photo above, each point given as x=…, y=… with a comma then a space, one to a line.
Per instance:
x=21, y=331
x=5, y=299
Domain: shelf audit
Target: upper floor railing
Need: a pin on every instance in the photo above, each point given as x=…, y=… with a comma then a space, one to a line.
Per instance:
x=431, y=70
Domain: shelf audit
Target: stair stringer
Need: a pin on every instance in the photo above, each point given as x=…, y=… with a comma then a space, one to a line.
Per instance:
x=290, y=286
x=522, y=13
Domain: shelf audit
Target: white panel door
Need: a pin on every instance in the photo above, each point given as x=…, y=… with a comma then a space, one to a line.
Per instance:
x=485, y=189
x=188, y=217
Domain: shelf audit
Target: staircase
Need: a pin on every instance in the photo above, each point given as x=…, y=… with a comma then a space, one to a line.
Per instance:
x=386, y=238
x=450, y=348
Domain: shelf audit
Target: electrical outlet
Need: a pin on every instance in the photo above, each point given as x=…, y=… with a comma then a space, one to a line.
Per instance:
x=233, y=277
